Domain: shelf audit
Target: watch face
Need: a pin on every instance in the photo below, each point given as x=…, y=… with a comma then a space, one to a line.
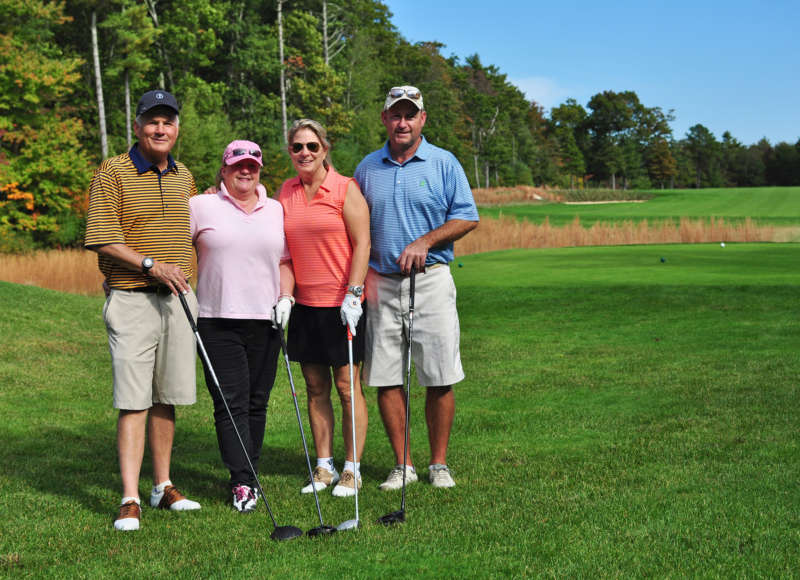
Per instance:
x=147, y=263
x=356, y=290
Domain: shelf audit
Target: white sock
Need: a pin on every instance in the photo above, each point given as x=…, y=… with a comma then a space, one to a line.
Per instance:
x=326, y=462
x=352, y=467
x=160, y=487
x=128, y=498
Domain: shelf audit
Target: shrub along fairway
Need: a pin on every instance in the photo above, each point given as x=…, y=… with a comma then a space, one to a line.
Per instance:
x=622, y=416
x=778, y=206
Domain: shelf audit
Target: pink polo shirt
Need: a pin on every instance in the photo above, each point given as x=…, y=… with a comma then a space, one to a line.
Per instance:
x=238, y=255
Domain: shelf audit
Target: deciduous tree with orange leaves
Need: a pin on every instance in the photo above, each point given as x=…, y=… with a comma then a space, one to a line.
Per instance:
x=43, y=172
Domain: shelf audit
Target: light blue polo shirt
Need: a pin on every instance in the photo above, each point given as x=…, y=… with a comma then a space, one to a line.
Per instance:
x=409, y=200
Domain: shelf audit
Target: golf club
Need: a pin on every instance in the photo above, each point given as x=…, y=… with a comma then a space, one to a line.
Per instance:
x=279, y=533
x=322, y=529
x=400, y=515
x=352, y=524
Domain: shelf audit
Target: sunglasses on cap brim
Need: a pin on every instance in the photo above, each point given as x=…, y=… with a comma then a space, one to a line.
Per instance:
x=239, y=152
x=410, y=93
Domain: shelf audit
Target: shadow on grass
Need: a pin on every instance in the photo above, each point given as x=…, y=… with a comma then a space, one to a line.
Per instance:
x=80, y=464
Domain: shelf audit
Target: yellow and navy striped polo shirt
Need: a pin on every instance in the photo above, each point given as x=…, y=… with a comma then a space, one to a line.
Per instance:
x=131, y=202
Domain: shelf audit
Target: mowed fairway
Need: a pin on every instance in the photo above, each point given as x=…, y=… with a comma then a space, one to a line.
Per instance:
x=778, y=206
x=622, y=416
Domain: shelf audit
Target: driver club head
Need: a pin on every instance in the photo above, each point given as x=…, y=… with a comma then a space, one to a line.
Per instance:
x=323, y=530
x=349, y=525
x=282, y=533
x=397, y=517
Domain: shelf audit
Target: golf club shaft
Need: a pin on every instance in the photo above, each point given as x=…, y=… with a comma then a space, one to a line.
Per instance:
x=408, y=381
x=210, y=368
x=353, y=413
x=300, y=423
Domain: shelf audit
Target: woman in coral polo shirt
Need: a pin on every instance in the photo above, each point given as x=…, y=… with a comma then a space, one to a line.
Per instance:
x=326, y=221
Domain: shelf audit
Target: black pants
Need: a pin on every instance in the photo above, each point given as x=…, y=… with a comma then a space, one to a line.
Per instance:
x=244, y=354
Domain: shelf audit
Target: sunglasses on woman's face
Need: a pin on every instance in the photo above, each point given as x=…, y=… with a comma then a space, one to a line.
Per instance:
x=312, y=146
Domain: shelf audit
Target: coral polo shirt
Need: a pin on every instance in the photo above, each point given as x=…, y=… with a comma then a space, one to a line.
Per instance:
x=317, y=238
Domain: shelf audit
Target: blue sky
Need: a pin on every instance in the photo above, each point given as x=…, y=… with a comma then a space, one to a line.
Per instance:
x=730, y=65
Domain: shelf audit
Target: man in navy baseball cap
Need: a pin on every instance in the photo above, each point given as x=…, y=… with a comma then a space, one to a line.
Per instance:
x=139, y=224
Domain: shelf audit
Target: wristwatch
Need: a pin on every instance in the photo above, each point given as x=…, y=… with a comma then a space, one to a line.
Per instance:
x=356, y=291
x=147, y=263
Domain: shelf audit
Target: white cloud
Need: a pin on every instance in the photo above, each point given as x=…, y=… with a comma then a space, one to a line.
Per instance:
x=545, y=91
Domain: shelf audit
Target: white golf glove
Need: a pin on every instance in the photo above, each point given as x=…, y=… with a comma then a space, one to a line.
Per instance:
x=282, y=311
x=351, y=312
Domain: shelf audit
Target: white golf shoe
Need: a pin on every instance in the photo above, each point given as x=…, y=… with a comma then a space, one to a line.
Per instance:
x=167, y=497
x=128, y=517
x=395, y=479
x=439, y=475
x=322, y=479
x=346, y=486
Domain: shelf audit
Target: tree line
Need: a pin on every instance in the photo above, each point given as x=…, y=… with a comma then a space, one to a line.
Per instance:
x=70, y=72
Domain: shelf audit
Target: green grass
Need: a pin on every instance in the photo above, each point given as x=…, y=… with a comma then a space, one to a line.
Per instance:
x=621, y=416
x=778, y=206
x=599, y=195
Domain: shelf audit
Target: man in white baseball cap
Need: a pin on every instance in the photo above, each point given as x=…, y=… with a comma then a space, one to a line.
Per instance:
x=420, y=203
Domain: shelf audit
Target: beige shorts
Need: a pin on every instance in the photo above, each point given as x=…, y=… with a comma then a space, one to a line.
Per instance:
x=435, y=333
x=152, y=349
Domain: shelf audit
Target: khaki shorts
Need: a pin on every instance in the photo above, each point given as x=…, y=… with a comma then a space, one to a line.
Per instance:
x=436, y=333
x=152, y=349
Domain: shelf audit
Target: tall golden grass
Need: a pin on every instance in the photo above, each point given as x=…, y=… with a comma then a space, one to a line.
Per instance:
x=493, y=196
x=76, y=270
x=516, y=194
x=507, y=233
x=64, y=270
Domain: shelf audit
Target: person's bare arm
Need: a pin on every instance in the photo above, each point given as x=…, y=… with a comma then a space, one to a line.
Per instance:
x=416, y=252
x=287, y=278
x=356, y=220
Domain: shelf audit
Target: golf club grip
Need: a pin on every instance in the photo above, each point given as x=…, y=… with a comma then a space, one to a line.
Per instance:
x=188, y=312
x=411, y=288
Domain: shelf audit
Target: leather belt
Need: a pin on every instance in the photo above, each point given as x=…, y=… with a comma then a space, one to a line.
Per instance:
x=160, y=290
x=401, y=275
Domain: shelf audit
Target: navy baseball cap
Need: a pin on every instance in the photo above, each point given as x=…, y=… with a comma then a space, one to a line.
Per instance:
x=157, y=98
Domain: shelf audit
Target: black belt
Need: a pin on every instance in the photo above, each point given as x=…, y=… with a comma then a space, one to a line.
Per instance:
x=160, y=290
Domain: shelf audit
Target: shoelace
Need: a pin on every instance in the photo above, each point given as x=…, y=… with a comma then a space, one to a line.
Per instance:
x=348, y=480
x=129, y=510
x=242, y=493
x=171, y=495
x=318, y=474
